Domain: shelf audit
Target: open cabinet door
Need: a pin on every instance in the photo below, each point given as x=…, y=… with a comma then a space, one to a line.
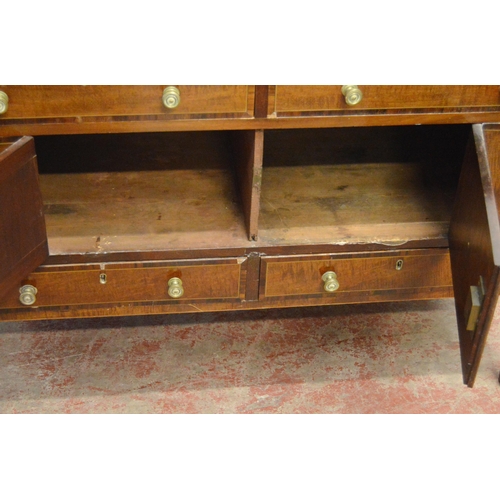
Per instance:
x=23, y=238
x=475, y=245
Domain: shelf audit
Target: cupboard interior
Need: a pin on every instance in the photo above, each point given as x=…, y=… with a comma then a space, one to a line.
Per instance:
x=130, y=192
x=387, y=185
x=179, y=190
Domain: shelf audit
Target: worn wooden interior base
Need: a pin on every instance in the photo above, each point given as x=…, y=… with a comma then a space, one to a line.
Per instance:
x=381, y=203
x=125, y=211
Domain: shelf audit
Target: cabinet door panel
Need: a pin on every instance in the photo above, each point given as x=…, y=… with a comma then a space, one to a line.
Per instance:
x=475, y=247
x=22, y=225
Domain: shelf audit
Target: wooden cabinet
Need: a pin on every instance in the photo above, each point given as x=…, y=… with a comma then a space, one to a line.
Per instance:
x=243, y=197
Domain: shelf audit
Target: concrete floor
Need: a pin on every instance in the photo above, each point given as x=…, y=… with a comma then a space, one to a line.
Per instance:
x=378, y=358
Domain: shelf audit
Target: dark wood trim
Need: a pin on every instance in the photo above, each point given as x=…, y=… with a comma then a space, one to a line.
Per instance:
x=13, y=128
x=261, y=101
x=252, y=277
x=133, y=309
x=252, y=247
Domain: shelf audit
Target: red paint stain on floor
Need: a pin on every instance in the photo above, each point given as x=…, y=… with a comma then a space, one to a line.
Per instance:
x=377, y=358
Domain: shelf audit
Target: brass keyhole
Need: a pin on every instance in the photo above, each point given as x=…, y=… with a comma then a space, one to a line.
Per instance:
x=399, y=265
x=103, y=279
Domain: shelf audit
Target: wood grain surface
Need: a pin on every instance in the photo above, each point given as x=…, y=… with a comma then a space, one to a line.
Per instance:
x=60, y=101
x=137, y=283
x=140, y=288
x=286, y=99
x=48, y=110
x=302, y=275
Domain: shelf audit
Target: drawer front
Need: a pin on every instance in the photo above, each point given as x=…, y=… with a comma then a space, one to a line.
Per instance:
x=357, y=273
x=51, y=101
x=321, y=99
x=128, y=283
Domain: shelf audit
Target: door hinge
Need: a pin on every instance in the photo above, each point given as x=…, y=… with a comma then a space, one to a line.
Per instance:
x=473, y=305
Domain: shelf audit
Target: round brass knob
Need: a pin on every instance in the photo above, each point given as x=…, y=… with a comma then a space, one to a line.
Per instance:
x=4, y=102
x=175, y=289
x=171, y=97
x=352, y=94
x=331, y=282
x=27, y=295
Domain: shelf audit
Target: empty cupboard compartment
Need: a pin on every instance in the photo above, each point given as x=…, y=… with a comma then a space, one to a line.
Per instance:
x=133, y=192
x=385, y=185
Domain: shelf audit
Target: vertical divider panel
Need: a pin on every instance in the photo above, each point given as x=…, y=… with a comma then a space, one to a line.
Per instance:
x=248, y=148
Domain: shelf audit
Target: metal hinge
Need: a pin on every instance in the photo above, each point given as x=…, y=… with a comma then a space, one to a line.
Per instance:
x=473, y=305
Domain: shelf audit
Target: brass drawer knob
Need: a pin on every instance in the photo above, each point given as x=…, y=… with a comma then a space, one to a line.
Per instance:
x=171, y=97
x=27, y=295
x=331, y=282
x=175, y=289
x=352, y=94
x=4, y=102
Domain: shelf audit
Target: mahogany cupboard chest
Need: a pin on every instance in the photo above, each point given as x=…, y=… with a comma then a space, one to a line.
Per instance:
x=122, y=200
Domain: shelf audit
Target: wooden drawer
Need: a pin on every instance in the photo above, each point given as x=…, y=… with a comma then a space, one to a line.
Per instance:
x=59, y=101
x=132, y=283
x=412, y=272
x=328, y=99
